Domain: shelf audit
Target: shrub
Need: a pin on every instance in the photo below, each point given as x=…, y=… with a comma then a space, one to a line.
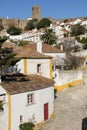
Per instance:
x=22, y=43
x=27, y=126
x=13, y=30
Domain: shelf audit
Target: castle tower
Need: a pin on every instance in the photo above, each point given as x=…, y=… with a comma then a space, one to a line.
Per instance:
x=36, y=12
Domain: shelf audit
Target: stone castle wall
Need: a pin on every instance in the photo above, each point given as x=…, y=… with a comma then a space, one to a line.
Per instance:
x=6, y=23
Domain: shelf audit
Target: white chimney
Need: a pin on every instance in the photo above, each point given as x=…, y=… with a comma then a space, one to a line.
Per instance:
x=39, y=46
x=61, y=47
x=51, y=25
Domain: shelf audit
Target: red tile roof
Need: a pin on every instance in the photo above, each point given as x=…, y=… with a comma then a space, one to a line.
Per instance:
x=27, y=51
x=19, y=83
x=45, y=48
x=30, y=50
x=50, y=49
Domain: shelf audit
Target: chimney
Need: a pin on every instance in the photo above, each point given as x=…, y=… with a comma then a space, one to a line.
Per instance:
x=39, y=46
x=61, y=47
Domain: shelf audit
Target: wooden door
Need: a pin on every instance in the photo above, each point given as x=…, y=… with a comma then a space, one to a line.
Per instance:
x=46, y=111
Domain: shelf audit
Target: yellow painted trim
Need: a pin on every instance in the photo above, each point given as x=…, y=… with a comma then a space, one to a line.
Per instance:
x=68, y=85
x=52, y=115
x=9, y=112
x=25, y=66
x=38, y=125
x=50, y=68
x=84, y=56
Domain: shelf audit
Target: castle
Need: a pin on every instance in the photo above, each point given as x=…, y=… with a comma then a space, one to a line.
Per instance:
x=20, y=23
x=36, y=13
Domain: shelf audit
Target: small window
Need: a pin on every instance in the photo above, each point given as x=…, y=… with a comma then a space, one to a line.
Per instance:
x=21, y=119
x=38, y=68
x=30, y=99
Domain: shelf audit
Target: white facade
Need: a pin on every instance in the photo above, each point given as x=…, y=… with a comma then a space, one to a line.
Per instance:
x=29, y=112
x=77, y=21
x=31, y=67
x=4, y=114
x=63, y=77
x=61, y=55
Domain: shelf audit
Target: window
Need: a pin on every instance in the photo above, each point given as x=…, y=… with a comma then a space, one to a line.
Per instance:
x=38, y=68
x=30, y=99
x=21, y=119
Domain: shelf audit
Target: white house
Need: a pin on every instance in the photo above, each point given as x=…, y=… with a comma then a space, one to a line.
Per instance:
x=31, y=61
x=76, y=21
x=26, y=99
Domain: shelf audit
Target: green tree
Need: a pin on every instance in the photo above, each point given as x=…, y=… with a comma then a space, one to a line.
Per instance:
x=65, y=20
x=49, y=37
x=26, y=126
x=83, y=41
x=31, y=24
x=7, y=59
x=3, y=39
x=77, y=30
x=14, y=30
x=43, y=23
x=1, y=27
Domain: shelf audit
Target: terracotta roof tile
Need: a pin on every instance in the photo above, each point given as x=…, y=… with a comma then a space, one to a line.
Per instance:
x=19, y=83
x=27, y=51
x=64, y=30
x=45, y=48
x=50, y=49
x=30, y=50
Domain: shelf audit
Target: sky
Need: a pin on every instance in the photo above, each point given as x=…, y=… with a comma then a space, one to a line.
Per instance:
x=57, y=9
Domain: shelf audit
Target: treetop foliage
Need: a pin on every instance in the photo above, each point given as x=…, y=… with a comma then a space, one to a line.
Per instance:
x=14, y=30
x=3, y=39
x=43, y=23
x=7, y=59
x=31, y=24
x=49, y=37
x=83, y=40
x=77, y=30
x=34, y=23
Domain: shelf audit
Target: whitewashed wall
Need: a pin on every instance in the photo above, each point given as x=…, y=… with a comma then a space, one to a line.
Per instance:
x=64, y=77
x=45, y=67
x=4, y=114
x=19, y=67
x=61, y=55
x=32, y=66
x=20, y=107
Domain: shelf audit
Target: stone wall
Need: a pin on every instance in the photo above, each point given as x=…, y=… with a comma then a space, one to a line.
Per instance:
x=67, y=78
x=10, y=22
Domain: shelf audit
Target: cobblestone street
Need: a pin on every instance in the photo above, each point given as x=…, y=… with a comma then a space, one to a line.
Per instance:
x=70, y=109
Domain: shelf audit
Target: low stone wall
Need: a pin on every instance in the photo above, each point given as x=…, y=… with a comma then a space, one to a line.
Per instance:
x=67, y=78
